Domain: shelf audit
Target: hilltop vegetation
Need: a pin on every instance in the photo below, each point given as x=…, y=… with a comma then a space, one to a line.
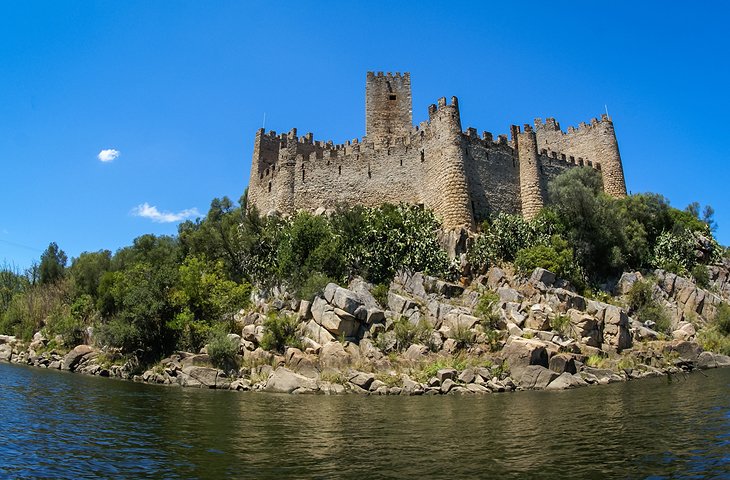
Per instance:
x=176, y=293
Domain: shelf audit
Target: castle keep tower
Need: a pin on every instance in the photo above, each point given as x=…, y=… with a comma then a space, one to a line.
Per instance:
x=388, y=106
x=463, y=177
x=530, y=185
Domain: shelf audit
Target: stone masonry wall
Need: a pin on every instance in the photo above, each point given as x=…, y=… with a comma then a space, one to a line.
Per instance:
x=462, y=177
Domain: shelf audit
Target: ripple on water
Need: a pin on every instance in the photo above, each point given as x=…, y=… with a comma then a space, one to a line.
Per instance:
x=59, y=425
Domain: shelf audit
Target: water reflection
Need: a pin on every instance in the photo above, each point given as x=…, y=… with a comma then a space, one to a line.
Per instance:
x=70, y=426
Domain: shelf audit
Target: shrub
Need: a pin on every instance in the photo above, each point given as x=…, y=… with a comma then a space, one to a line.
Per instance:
x=641, y=294
x=408, y=333
x=379, y=241
x=119, y=333
x=313, y=286
x=722, y=318
x=503, y=238
x=701, y=276
x=561, y=324
x=556, y=257
x=280, y=331
x=484, y=309
x=380, y=293
x=675, y=252
x=222, y=350
x=713, y=340
x=596, y=361
x=463, y=337
x=657, y=314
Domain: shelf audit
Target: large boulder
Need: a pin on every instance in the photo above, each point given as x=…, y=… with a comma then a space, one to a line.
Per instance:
x=301, y=362
x=346, y=299
x=6, y=352
x=563, y=363
x=74, y=357
x=334, y=355
x=627, y=280
x=712, y=360
x=616, y=334
x=519, y=353
x=566, y=380
x=400, y=304
x=339, y=323
x=687, y=351
x=283, y=380
x=542, y=278
x=318, y=333
x=535, y=377
x=200, y=377
x=585, y=328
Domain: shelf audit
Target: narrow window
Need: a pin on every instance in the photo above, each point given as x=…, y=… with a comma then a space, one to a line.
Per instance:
x=401, y=162
x=422, y=156
x=391, y=97
x=370, y=175
x=339, y=170
x=269, y=187
x=302, y=174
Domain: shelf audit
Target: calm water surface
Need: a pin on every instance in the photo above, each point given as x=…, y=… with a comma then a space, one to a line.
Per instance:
x=60, y=425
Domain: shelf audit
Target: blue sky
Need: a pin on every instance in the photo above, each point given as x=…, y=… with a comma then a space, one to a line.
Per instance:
x=178, y=89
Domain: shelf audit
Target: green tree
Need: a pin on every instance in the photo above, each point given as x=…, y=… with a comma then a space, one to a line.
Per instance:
x=53, y=264
x=204, y=298
x=87, y=269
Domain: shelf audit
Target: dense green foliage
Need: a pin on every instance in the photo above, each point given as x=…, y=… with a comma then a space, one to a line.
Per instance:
x=280, y=332
x=167, y=293
x=164, y=293
x=585, y=236
x=645, y=307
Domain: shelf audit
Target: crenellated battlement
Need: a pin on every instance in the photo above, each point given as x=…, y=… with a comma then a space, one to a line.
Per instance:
x=464, y=176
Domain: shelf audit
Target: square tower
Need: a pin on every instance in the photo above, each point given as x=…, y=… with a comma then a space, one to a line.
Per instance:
x=388, y=106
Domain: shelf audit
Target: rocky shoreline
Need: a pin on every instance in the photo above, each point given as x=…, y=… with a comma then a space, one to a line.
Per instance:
x=433, y=337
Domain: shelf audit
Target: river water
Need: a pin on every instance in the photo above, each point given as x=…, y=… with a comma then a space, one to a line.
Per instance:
x=61, y=425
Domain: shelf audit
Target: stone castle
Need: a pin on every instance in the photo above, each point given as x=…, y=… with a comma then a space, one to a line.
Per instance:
x=461, y=176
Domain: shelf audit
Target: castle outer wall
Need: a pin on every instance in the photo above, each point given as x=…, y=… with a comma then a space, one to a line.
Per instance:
x=462, y=176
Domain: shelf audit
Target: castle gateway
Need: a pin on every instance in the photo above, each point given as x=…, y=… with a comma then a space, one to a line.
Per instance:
x=461, y=176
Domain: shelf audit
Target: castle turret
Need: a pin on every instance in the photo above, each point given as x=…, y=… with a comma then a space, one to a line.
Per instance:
x=614, y=183
x=388, y=106
x=530, y=188
x=446, y=190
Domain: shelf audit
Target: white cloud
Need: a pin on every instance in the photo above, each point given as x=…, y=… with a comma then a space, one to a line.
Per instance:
x=108, y=155
x=146, y=210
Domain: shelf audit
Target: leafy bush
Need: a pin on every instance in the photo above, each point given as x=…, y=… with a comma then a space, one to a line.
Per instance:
x=280, y=332
x=119, y=333
x=701, y=276
x=222, y=350
x=722, y=318
x=561, y=324
x=380, y=294
x=484, y=309
x=646, y=308
x=657, y=314
x=463, y=337
x=640, y=294
x=379, y=241
x=557, y=257
x=675, y=252
x=713, y=340
x=407, y=333
x=503, y=237
x=309, y=245
x=314, y=285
